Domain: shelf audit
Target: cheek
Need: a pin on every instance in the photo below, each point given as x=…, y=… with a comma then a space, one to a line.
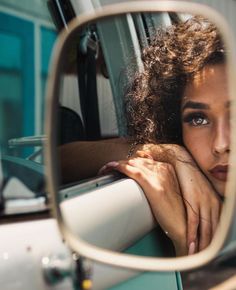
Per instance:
x=197, y=143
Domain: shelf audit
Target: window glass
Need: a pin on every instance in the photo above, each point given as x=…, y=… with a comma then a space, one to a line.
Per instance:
x=27, y=37
x=47, y=37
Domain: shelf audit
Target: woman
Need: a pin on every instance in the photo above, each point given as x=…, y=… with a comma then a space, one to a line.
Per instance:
x=183, y=91
x=184, y=176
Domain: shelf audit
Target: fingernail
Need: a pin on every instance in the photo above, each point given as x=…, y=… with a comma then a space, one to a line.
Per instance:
x=112, y=164
x=191, y=249
x=149, y=156
x=101, y=170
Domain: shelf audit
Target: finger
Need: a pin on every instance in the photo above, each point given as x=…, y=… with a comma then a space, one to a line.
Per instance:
x=131, y=171
x=111, y=166
x=215, y=216
x=145, y=164
x=192, y=220
x=192, y=230
x=141, y=163
x=129, y=167
x=144, y=154
x=107, y=167
x=141, y=160
x=102, y=170
x=122, y=167
x=205, y=233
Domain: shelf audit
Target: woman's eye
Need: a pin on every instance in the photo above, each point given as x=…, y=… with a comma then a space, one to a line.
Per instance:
x=195, y=120
x=198, y=121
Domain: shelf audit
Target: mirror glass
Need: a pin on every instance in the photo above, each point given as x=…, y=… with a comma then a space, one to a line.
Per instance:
x=143, y=97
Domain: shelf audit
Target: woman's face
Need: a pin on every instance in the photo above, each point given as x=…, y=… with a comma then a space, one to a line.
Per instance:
x=205, y=123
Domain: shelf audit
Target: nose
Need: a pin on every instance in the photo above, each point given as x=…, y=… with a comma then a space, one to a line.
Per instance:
x=221, y=143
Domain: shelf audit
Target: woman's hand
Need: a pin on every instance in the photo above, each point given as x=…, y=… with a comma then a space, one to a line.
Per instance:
x=202, y=204
x=159, y=182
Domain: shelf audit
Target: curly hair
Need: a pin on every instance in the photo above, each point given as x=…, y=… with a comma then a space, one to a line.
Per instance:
x=173, y=58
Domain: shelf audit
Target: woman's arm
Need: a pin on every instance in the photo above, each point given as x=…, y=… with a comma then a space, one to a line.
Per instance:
x=83, y=159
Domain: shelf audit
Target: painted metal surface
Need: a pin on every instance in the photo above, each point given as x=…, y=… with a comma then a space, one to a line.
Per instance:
x=151, y=281
x=25, y=244
x=22, y=247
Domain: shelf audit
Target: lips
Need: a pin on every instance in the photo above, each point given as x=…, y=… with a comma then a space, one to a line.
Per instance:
x=220, y=172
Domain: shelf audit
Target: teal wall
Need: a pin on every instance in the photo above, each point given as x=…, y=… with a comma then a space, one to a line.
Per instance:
x=25, y=50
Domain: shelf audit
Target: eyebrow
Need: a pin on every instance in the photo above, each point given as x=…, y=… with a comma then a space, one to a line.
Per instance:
x=195, y=105
x=198, y=105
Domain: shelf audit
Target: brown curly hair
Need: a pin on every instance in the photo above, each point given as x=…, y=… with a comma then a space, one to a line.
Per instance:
x=173, y=58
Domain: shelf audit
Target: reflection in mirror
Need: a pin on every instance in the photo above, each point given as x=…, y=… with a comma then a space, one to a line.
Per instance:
x=144, y=96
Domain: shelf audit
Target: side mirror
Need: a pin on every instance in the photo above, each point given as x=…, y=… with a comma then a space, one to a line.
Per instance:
x=94, y=214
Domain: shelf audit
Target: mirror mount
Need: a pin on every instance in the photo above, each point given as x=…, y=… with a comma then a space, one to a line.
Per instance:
x=57, y=268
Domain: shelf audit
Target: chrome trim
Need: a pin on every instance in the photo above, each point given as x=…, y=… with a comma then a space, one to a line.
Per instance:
x=27, y=141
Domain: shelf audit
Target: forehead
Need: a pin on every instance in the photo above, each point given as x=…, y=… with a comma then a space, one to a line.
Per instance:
x=208, y=86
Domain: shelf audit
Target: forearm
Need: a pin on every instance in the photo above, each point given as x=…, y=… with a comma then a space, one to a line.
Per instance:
x=83, y=159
